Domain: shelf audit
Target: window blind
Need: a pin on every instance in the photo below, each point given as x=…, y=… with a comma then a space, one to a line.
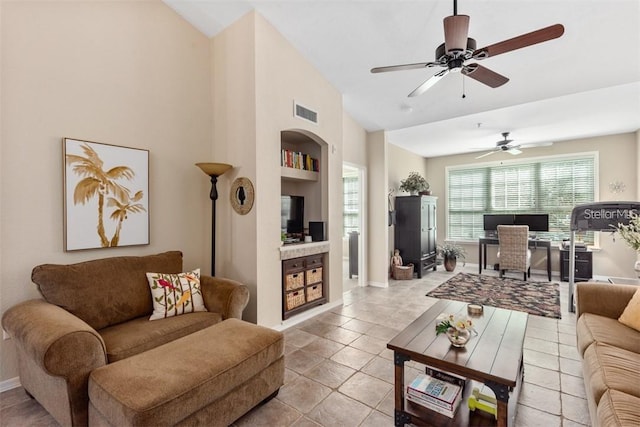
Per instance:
x=550, y=185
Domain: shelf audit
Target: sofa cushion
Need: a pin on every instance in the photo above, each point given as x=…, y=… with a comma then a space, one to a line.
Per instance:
x=618, y=409
x=139, y=335
x=631, y=314
x=175, y=294
x=606, y=367
x=592, y=327
x=106, y=291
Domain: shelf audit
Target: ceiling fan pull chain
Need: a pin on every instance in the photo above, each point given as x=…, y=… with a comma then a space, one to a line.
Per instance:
x=463, y=90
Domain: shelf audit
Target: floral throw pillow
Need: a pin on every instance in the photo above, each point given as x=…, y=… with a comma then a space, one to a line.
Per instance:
x=175, y=294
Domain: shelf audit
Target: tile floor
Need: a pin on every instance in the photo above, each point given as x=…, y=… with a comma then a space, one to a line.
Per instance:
x=340, y=373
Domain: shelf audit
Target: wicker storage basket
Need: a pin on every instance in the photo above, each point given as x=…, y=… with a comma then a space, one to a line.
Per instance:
x=314, y=276
x=294, y=281
x=314, y=292
x=403, y=272
x=295, y=299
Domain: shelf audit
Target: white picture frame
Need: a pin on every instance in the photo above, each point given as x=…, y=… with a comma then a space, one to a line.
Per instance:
x=106, y=195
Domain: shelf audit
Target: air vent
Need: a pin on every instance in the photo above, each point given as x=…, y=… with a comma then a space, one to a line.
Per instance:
x=305, y=113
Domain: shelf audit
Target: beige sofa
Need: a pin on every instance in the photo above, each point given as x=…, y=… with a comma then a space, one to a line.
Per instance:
x=96, y=313
x=610, y=354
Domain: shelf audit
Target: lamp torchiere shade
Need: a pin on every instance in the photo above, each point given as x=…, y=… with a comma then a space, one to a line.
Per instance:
x=214, y=170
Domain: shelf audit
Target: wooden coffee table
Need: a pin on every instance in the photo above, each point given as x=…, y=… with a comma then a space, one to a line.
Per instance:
x=493, y=358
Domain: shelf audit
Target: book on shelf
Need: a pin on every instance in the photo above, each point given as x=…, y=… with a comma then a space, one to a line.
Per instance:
x=431, y=406
x=440, y=396
x=446, y=376
x=299, y=160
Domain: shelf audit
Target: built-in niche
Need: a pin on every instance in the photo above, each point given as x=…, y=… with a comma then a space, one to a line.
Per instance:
x=303, y=171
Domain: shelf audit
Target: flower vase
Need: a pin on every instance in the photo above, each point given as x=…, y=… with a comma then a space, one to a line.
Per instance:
x=636, y=267
x=450, y=263
x=458, y=337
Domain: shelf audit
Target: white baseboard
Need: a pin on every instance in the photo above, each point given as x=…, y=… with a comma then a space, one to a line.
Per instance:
x=9, y=384
x=378, y=284
x=299, y=318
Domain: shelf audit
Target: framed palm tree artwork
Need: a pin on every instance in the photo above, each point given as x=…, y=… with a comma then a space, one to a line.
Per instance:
x=106, y=195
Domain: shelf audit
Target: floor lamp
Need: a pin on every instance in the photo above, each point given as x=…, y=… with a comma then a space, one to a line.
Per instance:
x=214, y=170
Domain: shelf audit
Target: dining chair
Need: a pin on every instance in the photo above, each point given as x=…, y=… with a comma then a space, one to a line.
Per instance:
x=513, y=252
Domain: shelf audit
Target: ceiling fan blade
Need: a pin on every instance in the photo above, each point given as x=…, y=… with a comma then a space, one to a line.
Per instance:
x=484, y=75
x=524, y=40
x=485, y=154
x=514, y=150
x=428, y=83
x=456, y=31
x=404, y=67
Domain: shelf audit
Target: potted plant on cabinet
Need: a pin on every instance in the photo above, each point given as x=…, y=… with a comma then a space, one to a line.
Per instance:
x=414, y=184
x=450, y=252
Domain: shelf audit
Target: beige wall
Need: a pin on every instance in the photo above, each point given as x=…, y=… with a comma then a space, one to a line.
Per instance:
x=377, y=206
x=617, y=162
x=261, y=81
x=234, y=135
x=124, y=73
x=354, y=142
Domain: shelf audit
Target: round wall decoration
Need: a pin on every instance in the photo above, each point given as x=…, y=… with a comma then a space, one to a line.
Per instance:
x=242, y=195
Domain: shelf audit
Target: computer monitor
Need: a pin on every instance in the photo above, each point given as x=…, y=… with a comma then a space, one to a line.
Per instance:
x=536, y=222
x=491, y=221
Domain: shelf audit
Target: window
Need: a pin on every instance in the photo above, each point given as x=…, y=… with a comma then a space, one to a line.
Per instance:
x=552, y=185
x=351, y=204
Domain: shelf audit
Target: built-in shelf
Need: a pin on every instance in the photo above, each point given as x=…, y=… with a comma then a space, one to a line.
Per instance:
x=296, y=250
x=298, y=174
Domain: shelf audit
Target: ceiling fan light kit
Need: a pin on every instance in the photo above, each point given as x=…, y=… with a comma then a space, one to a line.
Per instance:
x=458, y=48
x=456, y=28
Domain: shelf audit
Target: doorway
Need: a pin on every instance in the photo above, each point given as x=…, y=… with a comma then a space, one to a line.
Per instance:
x=353, y=226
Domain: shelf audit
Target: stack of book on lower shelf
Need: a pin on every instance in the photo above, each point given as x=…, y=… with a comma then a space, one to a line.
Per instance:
x=434, y=394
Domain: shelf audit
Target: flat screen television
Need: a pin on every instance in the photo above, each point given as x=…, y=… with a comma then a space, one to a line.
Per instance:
x=491, y=222
x=536, y=222
x=292, y=214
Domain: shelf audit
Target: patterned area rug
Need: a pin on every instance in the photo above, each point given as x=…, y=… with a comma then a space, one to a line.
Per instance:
x=539, y=298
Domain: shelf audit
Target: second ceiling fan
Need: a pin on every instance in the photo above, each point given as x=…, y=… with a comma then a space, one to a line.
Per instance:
x=458, y=48
x=505, y=145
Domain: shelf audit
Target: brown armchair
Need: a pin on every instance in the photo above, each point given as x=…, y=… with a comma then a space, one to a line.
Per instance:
x=97, y=312
x=513, y=252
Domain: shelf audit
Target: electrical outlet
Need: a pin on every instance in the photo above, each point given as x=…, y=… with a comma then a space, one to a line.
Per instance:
x=5, y=335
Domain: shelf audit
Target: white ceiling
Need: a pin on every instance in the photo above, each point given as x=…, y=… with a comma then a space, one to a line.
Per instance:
x=586, y=83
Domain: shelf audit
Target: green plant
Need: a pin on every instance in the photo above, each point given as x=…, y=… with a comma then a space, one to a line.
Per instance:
x=414, y=183
x=630, y=233
x=451, y=250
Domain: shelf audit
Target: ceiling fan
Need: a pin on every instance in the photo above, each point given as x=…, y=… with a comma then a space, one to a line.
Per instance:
x=505, y=145
x=458, y=48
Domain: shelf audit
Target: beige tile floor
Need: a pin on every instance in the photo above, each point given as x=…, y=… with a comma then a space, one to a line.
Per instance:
x=340, y=373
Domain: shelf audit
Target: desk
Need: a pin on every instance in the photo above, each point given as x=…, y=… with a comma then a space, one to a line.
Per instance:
x=533, y=243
